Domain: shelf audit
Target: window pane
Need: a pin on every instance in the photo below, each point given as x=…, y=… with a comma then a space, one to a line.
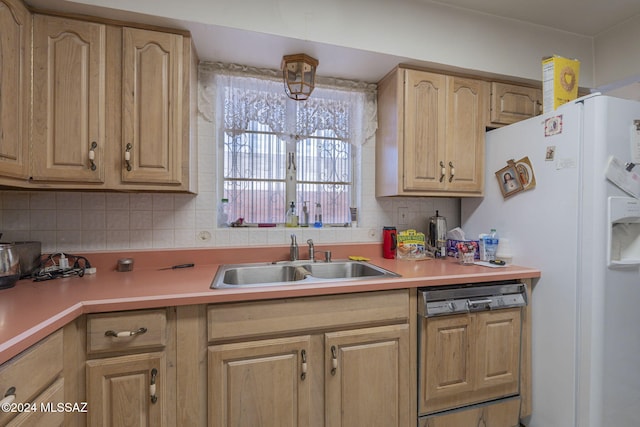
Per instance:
x=254, y=174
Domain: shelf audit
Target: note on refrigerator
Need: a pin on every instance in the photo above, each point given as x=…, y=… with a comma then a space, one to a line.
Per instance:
x=623, y=176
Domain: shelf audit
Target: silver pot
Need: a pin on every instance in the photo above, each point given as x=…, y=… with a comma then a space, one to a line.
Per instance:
x=9, y=266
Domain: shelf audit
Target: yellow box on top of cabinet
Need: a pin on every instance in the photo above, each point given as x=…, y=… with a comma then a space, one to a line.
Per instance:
x=559, y=81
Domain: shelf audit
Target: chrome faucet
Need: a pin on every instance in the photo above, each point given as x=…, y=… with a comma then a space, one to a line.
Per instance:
x=312, y=251
x=293, y=249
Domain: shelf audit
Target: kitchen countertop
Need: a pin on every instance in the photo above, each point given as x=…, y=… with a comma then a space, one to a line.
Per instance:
x=32, y=310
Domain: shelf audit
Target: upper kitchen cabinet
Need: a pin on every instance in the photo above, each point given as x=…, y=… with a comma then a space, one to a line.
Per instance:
x=430, y=139
x=69, y=143
x=511, y=103
x=15, y=92
x=154, y=106
x=112, y=107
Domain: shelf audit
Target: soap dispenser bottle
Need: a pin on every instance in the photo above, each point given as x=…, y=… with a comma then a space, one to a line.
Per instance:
x=291, y=219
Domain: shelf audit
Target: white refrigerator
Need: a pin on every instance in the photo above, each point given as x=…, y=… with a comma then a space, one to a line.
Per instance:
x=586, y=315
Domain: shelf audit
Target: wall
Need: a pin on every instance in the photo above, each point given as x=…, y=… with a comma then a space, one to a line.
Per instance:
x=96, y=221
x=617, y=54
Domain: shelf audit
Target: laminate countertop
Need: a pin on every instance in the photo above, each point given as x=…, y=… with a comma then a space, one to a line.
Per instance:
x=32, y=310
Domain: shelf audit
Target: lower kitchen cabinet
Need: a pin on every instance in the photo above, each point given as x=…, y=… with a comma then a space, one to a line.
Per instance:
x=260, y=383
x=311, y=362
x=130, y=371
x=366, y=377
x=127, y=390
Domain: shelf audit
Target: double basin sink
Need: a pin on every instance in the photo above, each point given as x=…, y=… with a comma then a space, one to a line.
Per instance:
x=295, y=272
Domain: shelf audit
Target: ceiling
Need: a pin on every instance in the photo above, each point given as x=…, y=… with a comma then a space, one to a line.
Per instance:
x=584, y=17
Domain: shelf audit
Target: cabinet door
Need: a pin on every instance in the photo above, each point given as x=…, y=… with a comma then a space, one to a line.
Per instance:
x=47, y=412
x=68, y=100
x=498, y=356
x=424, y=130
x=260, y=383
x=152, y=94
x=127, y=391
x=15, y=83
x=467, y=104
x=512, y=103
x=367, y=377
x=447, y=353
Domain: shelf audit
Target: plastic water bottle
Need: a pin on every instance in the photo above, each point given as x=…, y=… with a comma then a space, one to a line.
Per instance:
x=223, y=213
x=317, y=220
x=491, y=245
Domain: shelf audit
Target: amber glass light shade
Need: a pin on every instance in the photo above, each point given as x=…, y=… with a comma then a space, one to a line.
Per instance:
x=299, y=75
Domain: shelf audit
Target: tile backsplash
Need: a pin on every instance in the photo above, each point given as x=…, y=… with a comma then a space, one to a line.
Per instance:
x=105, y=221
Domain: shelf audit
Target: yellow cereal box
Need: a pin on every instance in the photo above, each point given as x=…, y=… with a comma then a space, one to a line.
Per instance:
x=559, y=81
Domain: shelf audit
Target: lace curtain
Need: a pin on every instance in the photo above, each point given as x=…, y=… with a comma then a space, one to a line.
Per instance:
x=255, y=100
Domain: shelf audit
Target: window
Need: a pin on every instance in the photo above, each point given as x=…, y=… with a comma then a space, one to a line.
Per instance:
x=276, y=150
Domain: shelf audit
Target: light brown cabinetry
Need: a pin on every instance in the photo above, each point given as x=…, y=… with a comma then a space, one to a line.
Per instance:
x=511, y=103
x=503, y=414
x=31, y=378
x=430, y=139
x=112, y=106
x=15, y=88
x=477, y=358
x=131, y=368
x=311, y=362
x=69, y=121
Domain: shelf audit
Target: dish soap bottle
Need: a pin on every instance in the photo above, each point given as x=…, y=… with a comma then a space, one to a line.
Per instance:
x=291, y=219
x=317, y=222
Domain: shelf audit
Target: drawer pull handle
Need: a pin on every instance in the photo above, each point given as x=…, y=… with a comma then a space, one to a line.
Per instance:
x=303, y=375
x=453, y=171
x=443, y=171
x=334, y=360
x=122, y=334
x=152, y=386
x=9, y=396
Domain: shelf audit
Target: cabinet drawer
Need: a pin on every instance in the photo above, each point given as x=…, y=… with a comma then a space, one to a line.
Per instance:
x=294, y=315
x=48, y=413
x=126, y=331
x=32, y=371
x=501, y=414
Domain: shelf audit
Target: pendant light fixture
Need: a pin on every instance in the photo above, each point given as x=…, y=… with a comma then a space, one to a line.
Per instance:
x=299, y=75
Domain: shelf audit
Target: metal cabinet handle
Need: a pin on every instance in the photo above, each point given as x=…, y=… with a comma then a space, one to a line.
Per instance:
x=443, y=171
x=474, y=303
x=122, y=334
x=92, y=155
x=303, y=375
x=127, y=156
x=334, y=360
x=452, y=170
x=9, y=396
x=152, y=386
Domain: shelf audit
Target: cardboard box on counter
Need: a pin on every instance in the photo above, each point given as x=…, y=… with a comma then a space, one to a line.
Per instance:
x=452, y=250
x=559, y=81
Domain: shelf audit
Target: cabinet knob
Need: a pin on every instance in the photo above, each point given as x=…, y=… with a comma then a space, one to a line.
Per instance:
x=152, y=386
x=303, y=375
x=9, y=396
x=92, y=155
x=127, y=156
x=334, y=360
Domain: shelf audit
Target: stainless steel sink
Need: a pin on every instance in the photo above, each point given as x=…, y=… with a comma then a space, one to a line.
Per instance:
x=295, y=272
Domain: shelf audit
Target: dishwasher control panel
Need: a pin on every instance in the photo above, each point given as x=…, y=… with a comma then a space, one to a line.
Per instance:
x=439, y=301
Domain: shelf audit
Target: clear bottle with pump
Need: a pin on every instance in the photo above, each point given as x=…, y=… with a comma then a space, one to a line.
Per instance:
x=317, y=220
x=292, y=218
x=491, y=245
x=223, y=213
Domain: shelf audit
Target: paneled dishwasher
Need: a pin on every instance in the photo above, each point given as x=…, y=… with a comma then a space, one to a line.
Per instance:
x=469, y=354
